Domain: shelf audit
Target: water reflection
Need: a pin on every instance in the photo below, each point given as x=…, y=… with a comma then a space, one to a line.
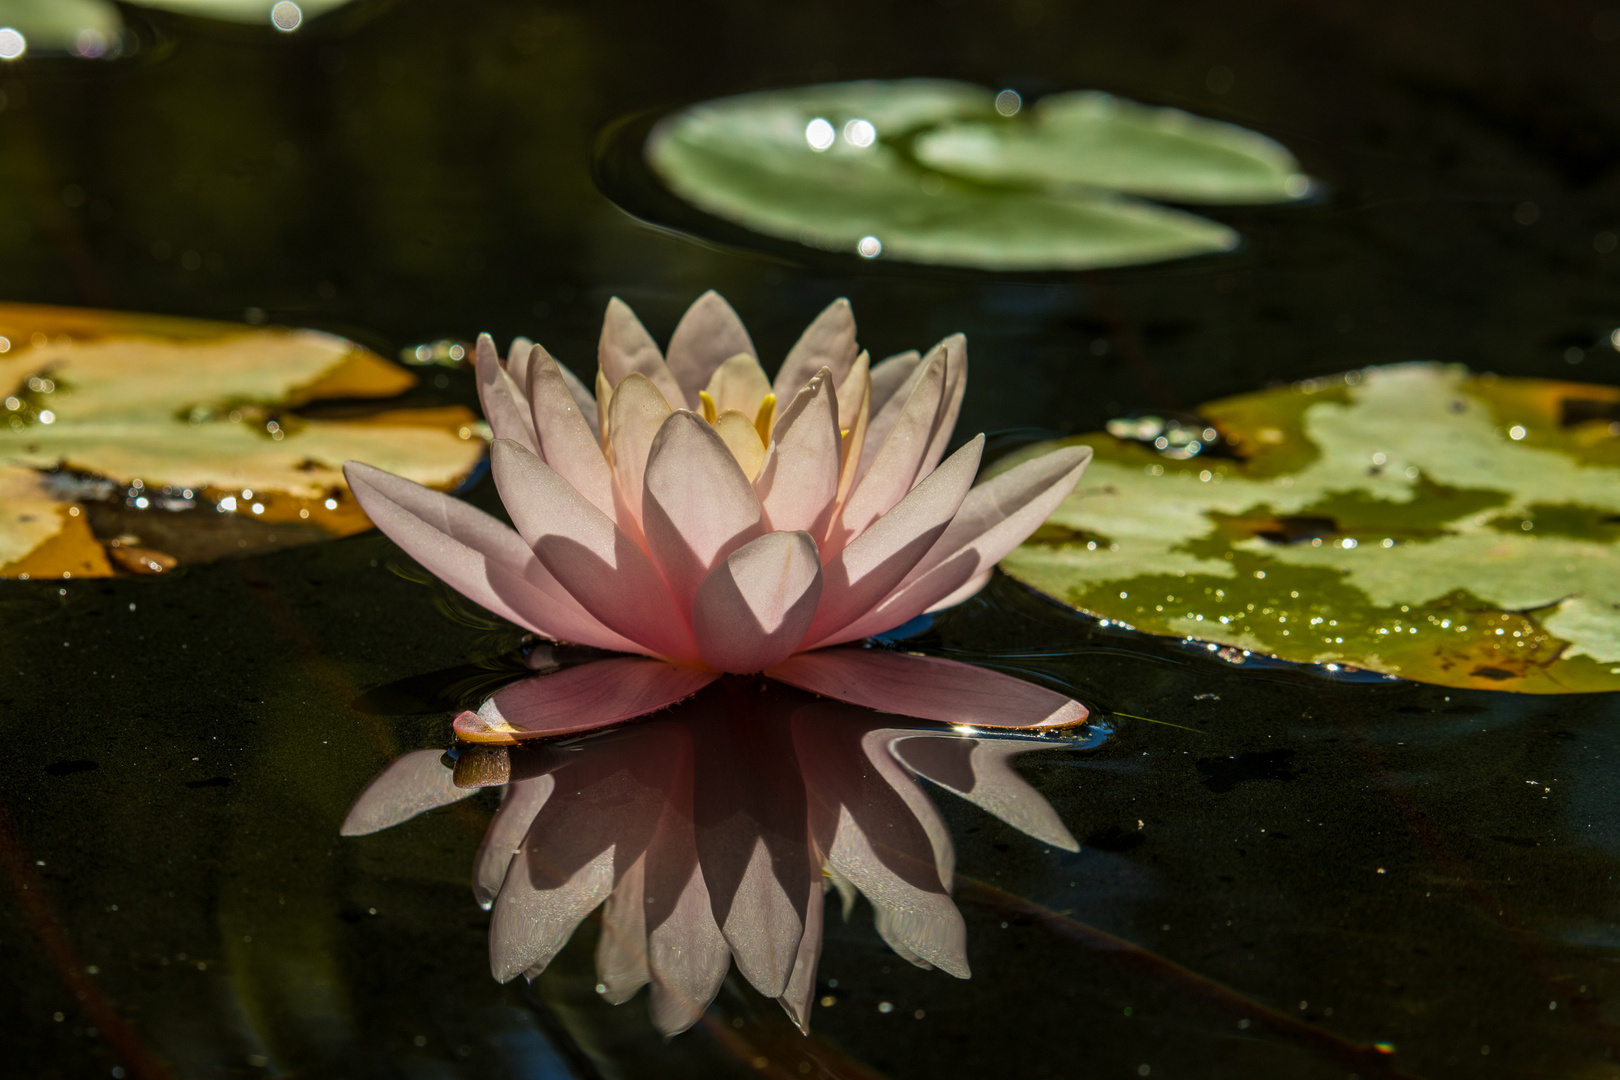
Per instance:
x=711, y=833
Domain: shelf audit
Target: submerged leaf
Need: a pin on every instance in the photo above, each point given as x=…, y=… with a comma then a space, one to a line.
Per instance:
x=175, y=437
x=927, y=171
x=1412, y=520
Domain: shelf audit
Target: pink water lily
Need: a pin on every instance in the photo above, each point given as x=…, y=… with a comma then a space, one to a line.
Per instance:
x=705, y=520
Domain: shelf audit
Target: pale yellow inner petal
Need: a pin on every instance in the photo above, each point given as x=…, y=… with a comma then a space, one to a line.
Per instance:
x=741, y=438
x=604, y=395
x=738, y=383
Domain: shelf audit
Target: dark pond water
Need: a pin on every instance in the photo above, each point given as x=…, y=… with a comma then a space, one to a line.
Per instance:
x=1277, y=872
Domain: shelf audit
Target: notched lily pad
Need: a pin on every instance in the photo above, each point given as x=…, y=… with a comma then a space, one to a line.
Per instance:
x=928, y=171
x=1414, y=520
x=131, y=442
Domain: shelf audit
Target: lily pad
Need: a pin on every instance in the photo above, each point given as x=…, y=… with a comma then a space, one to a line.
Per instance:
x=1413, y=520
x=87, y=28
x=928, y=171
x=243, y=11
x=178, y=439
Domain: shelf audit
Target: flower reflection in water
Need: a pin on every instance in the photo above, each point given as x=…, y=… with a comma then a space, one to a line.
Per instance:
x=711, y=832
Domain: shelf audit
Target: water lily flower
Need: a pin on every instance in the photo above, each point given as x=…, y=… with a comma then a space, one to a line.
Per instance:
x=711, y=834
x=703, y=519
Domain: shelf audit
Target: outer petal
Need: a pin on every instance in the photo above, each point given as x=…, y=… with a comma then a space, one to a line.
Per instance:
x=893, y=470
x=635, y=413
x=412, y=784
x=950, y=406
x=801, y=986
x=798, y=484
x=928, y=687
x=995, y=517
x=980, y=771
x=876, y=561
x=589, y=556
x=697, y=507
x=477, y=556
x=505, y=407
x=580, y=698
x=517, y=361
x=827, y=342
x=889, y=375
x=707, y=335
x=627, y=347
x=582, y=397
x=566, y=441
x=888, y=401
x=754, y=608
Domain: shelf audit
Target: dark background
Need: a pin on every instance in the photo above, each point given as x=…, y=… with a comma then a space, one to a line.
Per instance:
x=183, y=749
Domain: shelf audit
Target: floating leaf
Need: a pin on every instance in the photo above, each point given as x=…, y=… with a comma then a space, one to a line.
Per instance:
x=173, y=437
x=927, y=171
x=244, y=11
x=1089, y=138
x=83, y=27
x=1413, y=520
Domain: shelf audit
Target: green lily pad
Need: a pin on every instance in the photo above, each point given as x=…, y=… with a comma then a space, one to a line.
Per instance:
x=1089, y=138
x=1414, y=520
x=82, y=27
x=927, y=171
x=168, y=440
x=241, y=11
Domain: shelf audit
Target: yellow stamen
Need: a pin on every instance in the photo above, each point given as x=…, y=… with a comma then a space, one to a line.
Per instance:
x=762, y=419
x=709, y=411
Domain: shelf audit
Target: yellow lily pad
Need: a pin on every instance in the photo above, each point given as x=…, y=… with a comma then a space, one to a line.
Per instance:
x=1413, y=520
x=177, y=438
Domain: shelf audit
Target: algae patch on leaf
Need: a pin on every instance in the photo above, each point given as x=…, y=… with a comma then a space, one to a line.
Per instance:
x=1414, y=520
x=928, y=171
x=133, y=441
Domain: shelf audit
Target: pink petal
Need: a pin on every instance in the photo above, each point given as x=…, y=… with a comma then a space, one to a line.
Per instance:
x=876, y=561
x=517, y=361
x=707, y=335
x=589, y=556
x=798, y=483
x=413, y=783
x=827, y=342
x=996, y=517
x=566, y=441
x=635, y=413
x=928, y=687
x=627, y=347
x=504, y=405
x=950, y=406
x=582, y=397
x=991, y=782
x=886, y=410
x=520, y=803
x=754, y=608
x=891, y=374
x=477, y=556
x=581, y=698
x=893, y=470
x=697, y=507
